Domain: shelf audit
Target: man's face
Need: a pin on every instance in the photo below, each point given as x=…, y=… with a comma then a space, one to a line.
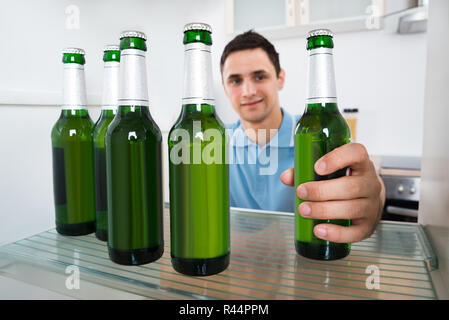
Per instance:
x=250, y=82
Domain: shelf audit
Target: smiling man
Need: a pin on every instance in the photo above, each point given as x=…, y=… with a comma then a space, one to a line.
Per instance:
x=252, y=78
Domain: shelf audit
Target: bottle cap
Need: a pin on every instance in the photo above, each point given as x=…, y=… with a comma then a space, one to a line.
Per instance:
x=197, y=26
x=320, y=32
x=111, y=47
x=133, y=34
x=73, y=50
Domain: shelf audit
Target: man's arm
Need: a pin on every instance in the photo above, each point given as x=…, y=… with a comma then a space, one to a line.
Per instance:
x=359, y=197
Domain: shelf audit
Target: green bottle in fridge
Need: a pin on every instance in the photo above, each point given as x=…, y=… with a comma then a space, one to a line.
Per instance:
x=72, y=148
x=134, y=164
x=198, y=170
x=111, y=58
x=320, y=129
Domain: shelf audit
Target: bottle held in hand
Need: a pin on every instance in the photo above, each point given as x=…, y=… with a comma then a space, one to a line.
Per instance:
x=320, y=130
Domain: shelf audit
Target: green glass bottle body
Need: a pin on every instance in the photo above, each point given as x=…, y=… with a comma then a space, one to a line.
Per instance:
x=199, y=192
x=72, y=149
x=101, y=204
x=134, y=167
x=198, y=170
x=320, y=130
x=73, y=170
x=111, y=58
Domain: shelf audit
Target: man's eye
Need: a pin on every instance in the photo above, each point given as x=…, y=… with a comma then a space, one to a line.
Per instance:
x=260, y=77
x=235, y=81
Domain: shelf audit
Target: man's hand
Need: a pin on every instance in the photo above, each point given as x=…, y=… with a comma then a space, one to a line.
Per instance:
x=359, y=197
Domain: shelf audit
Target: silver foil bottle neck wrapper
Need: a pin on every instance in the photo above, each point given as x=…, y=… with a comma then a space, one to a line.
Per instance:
x=111, y=76
x=321, y=86
x=74, y=87
x=198, y=80
x=133, y=88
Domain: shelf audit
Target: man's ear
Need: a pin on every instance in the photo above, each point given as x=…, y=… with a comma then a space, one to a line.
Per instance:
x=281, y=79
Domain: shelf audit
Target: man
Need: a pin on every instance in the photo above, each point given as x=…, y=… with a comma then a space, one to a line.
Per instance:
x=252, y=78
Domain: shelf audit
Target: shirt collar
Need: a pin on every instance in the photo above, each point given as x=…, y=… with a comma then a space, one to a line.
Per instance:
x=283, y=138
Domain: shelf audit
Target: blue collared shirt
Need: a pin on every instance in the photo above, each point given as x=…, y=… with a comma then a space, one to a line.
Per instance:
x=254, y=171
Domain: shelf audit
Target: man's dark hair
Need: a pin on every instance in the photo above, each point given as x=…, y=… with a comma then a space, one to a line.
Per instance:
x=251, y=40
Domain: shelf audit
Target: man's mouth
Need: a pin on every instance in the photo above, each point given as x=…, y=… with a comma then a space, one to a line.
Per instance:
x=251, y=103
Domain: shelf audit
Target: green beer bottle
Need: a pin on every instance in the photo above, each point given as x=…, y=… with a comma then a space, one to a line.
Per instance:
x=320, y=130
x=72, y=148
x=199, y=188
x=111, y=58
x=134, y=164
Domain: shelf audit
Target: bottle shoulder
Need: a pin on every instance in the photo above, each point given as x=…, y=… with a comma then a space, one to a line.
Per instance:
x=190, y=129
x=331, y=122
x=101, y=126
x=205, y=122
x=139, y=128
x=73, y=127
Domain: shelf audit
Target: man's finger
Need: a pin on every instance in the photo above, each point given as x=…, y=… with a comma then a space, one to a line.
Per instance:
x=339, y=234
x=343, y=188
x=324, y=210
x=353, y=155
x=287, y=177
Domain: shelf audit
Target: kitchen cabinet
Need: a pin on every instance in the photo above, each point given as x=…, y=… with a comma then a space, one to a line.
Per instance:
x=290, y=18
x=277, y=19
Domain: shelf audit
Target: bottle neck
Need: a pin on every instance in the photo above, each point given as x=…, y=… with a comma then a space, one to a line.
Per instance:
x=318, y=108
x=110, y=85
x=108, y=113
x=198, y=82
x=74, y=113
x=321, y=77
x=74, y=88
x=198, y=109
x=133, y=89
x=132, y=111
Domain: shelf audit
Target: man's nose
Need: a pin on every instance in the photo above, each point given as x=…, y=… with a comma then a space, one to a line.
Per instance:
x=248, y=89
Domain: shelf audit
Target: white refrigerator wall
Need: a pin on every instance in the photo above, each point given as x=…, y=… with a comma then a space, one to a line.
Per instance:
x=380, y=73
x=33, y=35
x=434, y=201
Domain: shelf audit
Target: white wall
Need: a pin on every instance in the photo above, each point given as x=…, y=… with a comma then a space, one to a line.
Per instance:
x=380, y=73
